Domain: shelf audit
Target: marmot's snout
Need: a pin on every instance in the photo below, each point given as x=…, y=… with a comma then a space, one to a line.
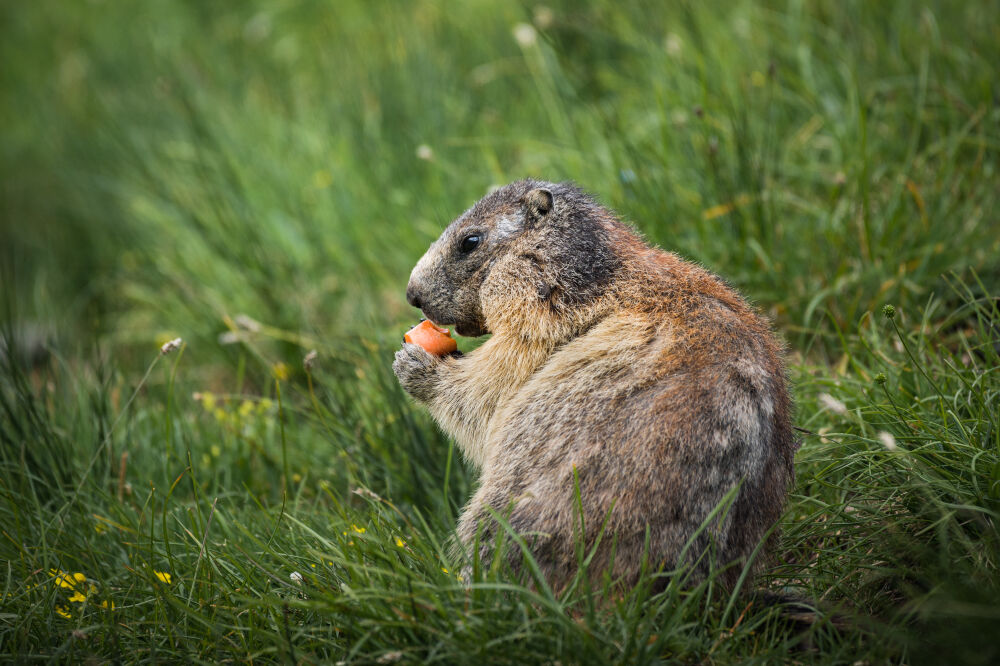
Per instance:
x=413, y=295
x=422, y=290
x=446, y=291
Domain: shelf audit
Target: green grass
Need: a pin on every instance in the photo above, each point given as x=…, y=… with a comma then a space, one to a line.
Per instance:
x=251, y=178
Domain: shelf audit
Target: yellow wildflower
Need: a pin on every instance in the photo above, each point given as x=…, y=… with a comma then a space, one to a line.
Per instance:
x=104, y=604
x=264, y=405
x=78, y=598
x=444, y=570
x=208, y=401
x=64, y=611
x=281, y=371
x=359, y=530
x=216, y=450
x=322, y=179
x=63, y=580
x=246, y=408
x=400, y=543
x=67, y=580
x=163, y=576
x=723, y=209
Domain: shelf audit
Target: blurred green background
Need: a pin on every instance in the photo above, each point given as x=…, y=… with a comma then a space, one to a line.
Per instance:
x=258, y=178
x=168, y=164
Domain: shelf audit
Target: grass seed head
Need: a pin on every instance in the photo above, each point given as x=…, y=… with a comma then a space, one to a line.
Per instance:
x=171, y=346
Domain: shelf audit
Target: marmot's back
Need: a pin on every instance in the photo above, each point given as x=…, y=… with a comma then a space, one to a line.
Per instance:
x=658, y=390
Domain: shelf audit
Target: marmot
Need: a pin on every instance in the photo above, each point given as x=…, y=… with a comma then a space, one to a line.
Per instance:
x=622, y=367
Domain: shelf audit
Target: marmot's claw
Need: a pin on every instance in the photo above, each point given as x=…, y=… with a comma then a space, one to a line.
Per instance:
x=415, y=370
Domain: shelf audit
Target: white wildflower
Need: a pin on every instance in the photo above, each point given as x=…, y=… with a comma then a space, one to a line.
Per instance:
x=543, y=16
x=673, y=45
x=831, y=403
x=309, y=360
x=390, y=657
x=364, y=492
x=258, y=28
x=171, y=346
x=229, y=338
x=247, y=323
x=296, y=577
x=424, y=152
x=525, y=35
x=888, y=441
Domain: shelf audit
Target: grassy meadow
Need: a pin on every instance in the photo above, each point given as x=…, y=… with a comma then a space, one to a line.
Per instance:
x=258, y=179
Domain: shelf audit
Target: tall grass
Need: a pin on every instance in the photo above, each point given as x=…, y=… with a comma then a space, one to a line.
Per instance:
x=259, y=179
x=892, y=525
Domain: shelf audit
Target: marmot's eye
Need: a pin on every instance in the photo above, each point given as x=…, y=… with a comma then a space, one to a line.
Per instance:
x=470, y=243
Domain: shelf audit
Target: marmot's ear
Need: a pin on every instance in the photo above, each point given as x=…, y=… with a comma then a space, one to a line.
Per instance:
x=537, y=204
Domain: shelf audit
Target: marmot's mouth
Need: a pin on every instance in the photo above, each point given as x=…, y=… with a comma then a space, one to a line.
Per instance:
x=445, y=328
x=454, y=328
x=472, y=331
x=467, y=329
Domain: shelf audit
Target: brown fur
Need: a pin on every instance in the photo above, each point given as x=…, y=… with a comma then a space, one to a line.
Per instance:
x=643, y=374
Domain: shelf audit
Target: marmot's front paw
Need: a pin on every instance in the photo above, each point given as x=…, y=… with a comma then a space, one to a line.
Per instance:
x=415, y=369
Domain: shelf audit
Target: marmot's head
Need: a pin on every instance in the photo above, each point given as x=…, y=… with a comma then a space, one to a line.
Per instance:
x=525, y=244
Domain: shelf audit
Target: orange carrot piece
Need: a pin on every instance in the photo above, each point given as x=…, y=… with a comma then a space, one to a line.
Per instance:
x=434, y=340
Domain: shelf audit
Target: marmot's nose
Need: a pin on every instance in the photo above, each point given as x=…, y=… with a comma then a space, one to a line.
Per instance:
x=412, y=296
